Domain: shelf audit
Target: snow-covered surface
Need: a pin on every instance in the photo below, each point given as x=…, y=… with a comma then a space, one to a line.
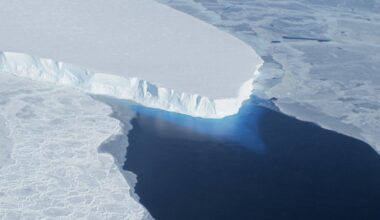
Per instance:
x=54, y=169
x=131, y=38
x=322, y=57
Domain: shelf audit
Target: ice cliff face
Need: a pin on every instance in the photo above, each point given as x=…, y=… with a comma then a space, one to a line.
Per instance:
x=138, y=90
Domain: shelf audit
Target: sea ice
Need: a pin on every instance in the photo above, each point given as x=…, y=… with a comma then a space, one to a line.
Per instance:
x=55, y=169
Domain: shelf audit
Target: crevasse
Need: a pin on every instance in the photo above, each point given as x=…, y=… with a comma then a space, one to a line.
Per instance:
x=134, y=89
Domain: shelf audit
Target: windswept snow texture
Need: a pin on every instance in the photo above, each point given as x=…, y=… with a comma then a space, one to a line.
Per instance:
x=55, y=170
x=322, y=57
x=132, y=38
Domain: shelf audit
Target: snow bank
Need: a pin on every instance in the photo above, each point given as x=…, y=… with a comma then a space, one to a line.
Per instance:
x=117, y=86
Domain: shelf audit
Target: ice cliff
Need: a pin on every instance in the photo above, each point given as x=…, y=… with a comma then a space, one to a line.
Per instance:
x=135, y=89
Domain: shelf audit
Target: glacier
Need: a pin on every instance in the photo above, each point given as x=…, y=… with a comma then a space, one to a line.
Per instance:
x=159, y=57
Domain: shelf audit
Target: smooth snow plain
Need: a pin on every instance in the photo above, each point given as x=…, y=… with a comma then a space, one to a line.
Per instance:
x=136, y=39
x=321, y=58
x=53, y=167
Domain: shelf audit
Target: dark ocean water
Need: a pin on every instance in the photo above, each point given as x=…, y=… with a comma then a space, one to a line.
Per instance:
x=259, y=164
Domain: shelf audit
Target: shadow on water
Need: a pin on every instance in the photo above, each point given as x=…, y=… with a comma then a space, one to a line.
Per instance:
x=191, y=168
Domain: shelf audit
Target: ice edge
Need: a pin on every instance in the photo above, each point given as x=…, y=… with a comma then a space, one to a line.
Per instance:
x=138, y=90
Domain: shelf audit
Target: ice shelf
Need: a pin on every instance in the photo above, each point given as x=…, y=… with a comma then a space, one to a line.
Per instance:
x=205, y=72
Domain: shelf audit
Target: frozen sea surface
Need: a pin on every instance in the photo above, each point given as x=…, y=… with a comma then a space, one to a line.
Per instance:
x=322, y=58
x=50, y=166
x=6, y=148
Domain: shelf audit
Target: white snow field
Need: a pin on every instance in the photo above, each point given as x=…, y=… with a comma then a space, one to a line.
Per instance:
x=53, y=168
x=191, y=66
x=321, y=57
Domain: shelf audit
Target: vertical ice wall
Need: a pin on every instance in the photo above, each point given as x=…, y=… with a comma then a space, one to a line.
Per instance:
x=121, y=87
